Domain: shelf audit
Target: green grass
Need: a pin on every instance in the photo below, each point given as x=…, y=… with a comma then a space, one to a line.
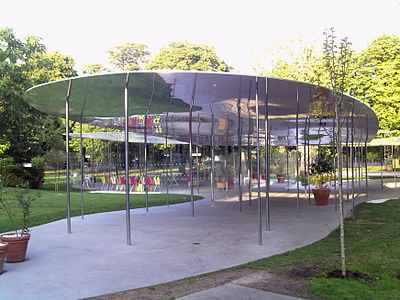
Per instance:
x=372, y=248
x=51, y=206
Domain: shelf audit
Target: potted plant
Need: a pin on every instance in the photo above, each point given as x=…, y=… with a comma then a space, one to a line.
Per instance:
x=17, y=209
x=321, y=172
x=279, y=162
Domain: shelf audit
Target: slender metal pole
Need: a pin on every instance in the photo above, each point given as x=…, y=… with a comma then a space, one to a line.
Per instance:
x=81, y=159
x=366, y=155
x=382, y=149
x=359, y=163
x=347, y=157
x=297, y=152
x=352, y=158
x=226, y=157
x=258, y=168
x=267, y=157
x=191, y=143
x=394, y=171
x=126, y=138
x=146, y=179
x=81, y=147
x=197, y=154
x=308, y=162
x=67, y=154
x=212, y=179
x=239, y=131
x=305, y=135
x=287, y=166
x=249, y=156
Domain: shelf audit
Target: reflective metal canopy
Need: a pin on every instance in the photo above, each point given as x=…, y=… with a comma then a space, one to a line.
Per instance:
x=221, y=105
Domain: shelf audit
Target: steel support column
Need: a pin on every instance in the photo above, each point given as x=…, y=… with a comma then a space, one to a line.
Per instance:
x=67, y=154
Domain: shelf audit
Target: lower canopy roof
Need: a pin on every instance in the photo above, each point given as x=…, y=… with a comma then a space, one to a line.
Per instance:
x=392, y=141
x=207, y=108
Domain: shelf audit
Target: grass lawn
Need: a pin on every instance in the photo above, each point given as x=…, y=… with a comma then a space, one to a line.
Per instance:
x=373, y=252
x=372, y=247
x=51, y=206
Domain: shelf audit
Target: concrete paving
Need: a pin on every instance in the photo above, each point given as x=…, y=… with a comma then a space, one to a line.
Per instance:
x=168, y=244
x=236, y=292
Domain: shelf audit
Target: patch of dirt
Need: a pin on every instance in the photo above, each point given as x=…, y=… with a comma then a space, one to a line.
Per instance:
x=349, y=274
x=284, y=282
x=365, y=211
x=281, y=283
x=364, y=222
x=178, y=288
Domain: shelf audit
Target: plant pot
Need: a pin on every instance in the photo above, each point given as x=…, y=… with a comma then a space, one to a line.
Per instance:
x=389, y=168
x=281, y=178
x=321, y=196
x=17, y=245
x=3, y=249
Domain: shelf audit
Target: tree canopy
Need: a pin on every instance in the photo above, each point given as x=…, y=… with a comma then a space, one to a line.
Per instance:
x=188, y=56
x=374, y=76
x=129, y=57
x=376, y=79
x=24, y=63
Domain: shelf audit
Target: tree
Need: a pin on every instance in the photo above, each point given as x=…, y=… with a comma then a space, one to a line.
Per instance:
x=376, y=79
x=24, y=63
x=337, y=56
x=129, y=57
x=188, y=56
x=94, y=69
x=295, y=59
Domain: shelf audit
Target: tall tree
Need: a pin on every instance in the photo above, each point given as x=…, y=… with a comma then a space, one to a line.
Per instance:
x=24, y=63
x=295, y=59
x=188, y=56
x=337, y=56
x=376, y=79
x=129, y=57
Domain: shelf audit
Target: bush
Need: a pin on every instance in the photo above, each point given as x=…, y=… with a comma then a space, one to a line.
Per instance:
x=14, y=174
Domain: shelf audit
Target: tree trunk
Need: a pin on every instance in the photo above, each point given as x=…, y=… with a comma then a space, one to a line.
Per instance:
x=339, y=178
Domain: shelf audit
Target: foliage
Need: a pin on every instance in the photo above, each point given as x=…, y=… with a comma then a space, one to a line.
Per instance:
x=372, y=248
x=376, y=79
x=24, y=63
x=188, y=56
x=321, y=105
x=295, y=59
x=373, y=74
x=278, y=158
x=94, y=69
x=322, y=168
x=129, y=57
x=38, y=166
x=18, y=207
x=96, y=148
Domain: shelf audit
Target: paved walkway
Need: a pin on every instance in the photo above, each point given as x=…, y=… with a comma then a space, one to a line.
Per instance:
x=168, y=244
x=236, y=292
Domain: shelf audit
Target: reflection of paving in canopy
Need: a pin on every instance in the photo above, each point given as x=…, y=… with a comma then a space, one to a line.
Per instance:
x=119, y=137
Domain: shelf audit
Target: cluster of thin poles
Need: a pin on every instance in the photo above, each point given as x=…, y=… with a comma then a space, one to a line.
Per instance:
x=353, y=153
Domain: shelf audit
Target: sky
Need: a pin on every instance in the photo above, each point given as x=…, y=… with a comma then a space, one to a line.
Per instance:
x=238, y=30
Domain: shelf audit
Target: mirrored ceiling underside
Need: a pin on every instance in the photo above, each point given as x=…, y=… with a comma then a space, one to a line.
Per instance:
x=220, y=107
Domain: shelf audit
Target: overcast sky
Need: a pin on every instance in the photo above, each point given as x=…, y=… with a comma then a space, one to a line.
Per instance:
x=84, y=29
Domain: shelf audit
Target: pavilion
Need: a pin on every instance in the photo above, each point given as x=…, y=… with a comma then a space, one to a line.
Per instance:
x=241, y=114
